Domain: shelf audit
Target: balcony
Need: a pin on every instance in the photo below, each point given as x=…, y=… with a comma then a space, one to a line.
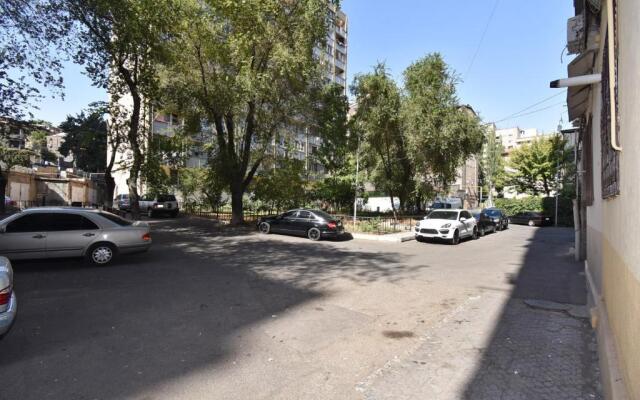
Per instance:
x=341, y=47
x=339, y=64
x=340, y=80
x=341, y=31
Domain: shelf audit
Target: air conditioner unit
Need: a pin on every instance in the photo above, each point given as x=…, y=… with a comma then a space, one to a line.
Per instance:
x=576, y=35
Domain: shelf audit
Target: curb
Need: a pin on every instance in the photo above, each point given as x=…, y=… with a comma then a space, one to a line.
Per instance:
x=393, y=238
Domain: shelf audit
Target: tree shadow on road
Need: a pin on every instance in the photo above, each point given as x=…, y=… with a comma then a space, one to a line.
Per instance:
x=114, y=332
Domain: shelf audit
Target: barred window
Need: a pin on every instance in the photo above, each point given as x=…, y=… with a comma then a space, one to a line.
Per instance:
x=610, y=157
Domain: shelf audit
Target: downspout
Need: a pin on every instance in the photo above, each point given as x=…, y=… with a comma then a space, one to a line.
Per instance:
x=612, y=75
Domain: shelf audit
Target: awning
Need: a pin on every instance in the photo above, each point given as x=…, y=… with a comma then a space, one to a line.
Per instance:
x=578, y=96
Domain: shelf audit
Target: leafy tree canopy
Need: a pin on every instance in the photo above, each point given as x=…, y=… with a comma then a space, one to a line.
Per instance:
x=86, y=138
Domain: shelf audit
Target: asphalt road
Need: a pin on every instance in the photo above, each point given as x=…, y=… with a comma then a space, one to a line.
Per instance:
x=231, y=314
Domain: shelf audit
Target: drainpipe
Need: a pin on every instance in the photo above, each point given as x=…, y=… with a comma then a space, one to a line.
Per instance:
x=612, y=75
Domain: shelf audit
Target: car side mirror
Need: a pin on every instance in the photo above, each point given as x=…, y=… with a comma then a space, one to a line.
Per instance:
x=462, y=219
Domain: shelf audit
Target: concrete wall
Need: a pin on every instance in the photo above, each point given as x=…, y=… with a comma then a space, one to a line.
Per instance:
x=621, y=231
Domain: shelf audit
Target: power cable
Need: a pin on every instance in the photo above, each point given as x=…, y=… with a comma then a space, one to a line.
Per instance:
x=529, y=113
x=516, y=114
x=486, y=28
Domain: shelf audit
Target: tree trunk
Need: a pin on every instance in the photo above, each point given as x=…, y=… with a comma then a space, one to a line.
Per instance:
x=237, y=215
x=393, y=206
x=110, y=188
x=3, y=190
x=134, y=172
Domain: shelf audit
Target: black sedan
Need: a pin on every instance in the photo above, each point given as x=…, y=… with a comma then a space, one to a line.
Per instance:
x=497, y=217
x=313, y=224
x=484, y=223
x=531, y=218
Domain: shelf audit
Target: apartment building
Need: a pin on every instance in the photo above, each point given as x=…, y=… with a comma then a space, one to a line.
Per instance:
x=512, y=138
x=603, y=101
x=296, y=141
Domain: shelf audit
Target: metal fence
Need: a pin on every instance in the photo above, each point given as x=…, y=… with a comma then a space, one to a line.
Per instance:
x=381, y=224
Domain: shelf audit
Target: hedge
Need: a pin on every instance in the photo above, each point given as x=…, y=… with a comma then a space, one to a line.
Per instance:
x=545, y=205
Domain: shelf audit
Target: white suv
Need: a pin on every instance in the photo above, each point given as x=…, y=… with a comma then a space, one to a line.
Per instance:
x=450, y=225
x=165, y=204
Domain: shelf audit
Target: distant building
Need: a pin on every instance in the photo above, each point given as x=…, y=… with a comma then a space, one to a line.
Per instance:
x=512, y=138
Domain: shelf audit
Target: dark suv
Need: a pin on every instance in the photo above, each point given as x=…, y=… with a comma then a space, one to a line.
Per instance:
x=494, y=219
x=314, y=224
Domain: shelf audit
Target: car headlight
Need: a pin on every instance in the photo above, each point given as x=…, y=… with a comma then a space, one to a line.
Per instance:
x=446, y=226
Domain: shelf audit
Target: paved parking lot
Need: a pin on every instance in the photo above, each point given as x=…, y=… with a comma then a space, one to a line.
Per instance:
x=222, y=314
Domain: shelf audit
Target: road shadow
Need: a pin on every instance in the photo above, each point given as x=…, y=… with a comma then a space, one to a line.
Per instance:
x=537, y=353
x=114, y=332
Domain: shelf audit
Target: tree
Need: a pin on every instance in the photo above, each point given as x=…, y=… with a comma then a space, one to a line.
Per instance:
x=10, y=158
x=38, y=145
x=121, y=43
x=30, y=49
x=86, y=138
x=281, y=187
x=330, y=118
x=378, y=123
x=537, y=165
x=441, y=134
x=164, y=157
x=246, y=68
x=492, y=163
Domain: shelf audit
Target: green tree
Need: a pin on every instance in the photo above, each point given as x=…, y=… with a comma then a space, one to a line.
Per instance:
x=246, y=68
x=30, y=54
x=330, y=118
x=38, y=143
x=164, y=157
x=441, y=134
x=86, y=138
x=492, y=165
x=120, y=43
x=537, y=165
x=281, y=187
x=378, y=123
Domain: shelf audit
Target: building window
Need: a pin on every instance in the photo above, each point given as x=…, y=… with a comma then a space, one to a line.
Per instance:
x=610, y=157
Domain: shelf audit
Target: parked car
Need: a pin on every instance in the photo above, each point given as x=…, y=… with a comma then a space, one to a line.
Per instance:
x=531, y=218
x=485, y=223
x=314, y=224
x=497, y=217
x=8, y=301
x=445, y=204
x=122, y=202
x=54, y=232
x=450, y=225
x=165, y=204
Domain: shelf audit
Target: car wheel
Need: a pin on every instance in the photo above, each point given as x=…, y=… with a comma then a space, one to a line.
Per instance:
x=531, y=223
x=456, y=238
x=497, y=227
x=314, y=234
x=101, y=253
x=475, y=236
x=419, y=239
x=481, y=231
x=264, y=227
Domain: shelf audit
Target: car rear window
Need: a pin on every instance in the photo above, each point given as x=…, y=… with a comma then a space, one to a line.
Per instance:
x=115, y=219
x=492, y=213
x=323, y=215
x=166, y=197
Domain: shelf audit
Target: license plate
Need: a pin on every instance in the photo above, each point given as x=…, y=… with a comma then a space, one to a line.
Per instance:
x=160, y=205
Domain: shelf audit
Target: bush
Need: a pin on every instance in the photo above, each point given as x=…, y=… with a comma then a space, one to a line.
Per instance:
x=545, y=205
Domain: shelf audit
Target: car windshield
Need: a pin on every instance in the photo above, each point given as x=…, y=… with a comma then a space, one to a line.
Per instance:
x=492, y=213
x=166, y=197
x=323, y=215
x=476, y=215
x=115, y=219
x=452, y=215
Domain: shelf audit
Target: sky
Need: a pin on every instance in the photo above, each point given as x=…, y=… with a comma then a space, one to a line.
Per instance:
x=519, y=54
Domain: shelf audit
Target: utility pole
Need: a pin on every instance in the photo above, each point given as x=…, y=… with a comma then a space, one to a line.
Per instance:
x=355, y=201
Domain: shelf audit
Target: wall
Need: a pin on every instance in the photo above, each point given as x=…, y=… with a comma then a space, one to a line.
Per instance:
x=621, y=247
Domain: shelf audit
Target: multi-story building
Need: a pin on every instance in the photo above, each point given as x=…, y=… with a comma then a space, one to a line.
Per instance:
x=512, y=138
x=297, y=141
x=603, y=102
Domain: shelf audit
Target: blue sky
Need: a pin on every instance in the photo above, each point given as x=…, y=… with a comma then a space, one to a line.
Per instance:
x=519, y=54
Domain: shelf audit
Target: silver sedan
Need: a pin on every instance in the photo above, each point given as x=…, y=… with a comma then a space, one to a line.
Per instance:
x=54, y=232
x=8, y=302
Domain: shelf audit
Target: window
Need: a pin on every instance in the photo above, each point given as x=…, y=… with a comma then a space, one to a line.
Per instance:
x=166, y=197
x=610, y=157
x=68, y=222
x=304, y=214
x=27, y=223
x=115, y=219
x=289, y=214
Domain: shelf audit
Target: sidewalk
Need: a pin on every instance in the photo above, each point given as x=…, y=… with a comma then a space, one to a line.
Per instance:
x=496, y=346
